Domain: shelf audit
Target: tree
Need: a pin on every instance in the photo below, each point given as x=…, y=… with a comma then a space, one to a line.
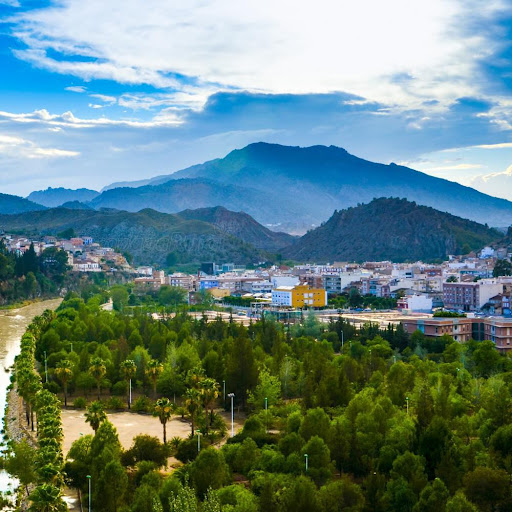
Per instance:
x=98, y=370
x=502, y=268
x=209, y=470
x=20, y=463
x=193, y=405
x=487, y=487
x=153, y=371
x=342, y=495
x=172, y=295
x=64, y=372
x=46, y=498
x=300, y=496
x=241, y=370
x=433, y=497
x=269, y=388
x=129, y=369
x=459, y=503
x=114, y=482
x=120, y=297
x=95, y=415
x=209, y=391
x=164, y=410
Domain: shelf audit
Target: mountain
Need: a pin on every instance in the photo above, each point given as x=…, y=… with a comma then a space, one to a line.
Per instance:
x=390, y=229
x=242, y=226
x=53, y=197
x=294, y=188
x=14, y=204
x=149, y=235
x=76, y=205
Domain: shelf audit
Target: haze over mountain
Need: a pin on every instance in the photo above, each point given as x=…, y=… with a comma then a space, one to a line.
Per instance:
x=294, y=188
x=391, y=229
x=53, y=197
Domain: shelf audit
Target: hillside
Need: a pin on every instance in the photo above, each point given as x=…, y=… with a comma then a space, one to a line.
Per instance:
x=390, y=229
x=149, y=235
x=242, y=226
x=14, y=204
x=53, y=197
x=294, y=188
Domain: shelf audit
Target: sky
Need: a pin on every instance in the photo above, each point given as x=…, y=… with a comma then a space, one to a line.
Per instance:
x=94, y=92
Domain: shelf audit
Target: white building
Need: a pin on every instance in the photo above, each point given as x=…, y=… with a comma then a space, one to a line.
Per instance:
x=282, y=296
x=415, y=304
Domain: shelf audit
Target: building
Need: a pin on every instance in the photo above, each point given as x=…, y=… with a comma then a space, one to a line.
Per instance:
x=499, y=331
x=470, y=296
x=300, y=296
x=415, y=303
x=180, y=280
x=375, y=286
x=460, y=329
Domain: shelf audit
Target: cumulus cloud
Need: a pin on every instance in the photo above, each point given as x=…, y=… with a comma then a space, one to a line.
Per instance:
x=22, y=148
x=497, y=184
x=396, y=52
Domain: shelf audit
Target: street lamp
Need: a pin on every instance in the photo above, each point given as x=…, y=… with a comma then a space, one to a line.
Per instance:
x=89, y=479
x=45, y=367
x=224, y=392
x=232, y=395
x=130, y=393
x=407, y=402
x=198, y=440
x=306, y=456
x=342, y=340
x=266, y=412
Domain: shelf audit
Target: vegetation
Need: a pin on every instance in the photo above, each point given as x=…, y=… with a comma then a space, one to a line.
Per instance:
x=353, y=299
x=337, y=418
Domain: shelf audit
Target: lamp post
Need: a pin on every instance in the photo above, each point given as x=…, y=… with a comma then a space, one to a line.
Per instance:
x=407, y=402
x=71, y=346
x=130, y=392
x=232, y=395
x=342, y=340
x=89, y=479
x=45, y=367
x=306, y=457
x=198, y=440
x=266, y=412
x=224, y=392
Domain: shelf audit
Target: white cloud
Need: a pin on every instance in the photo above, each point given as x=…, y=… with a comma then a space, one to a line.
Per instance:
x=22, y=148
x=104, y=97
x=10, y=3
x=76, y=88
x=363, y=47
x=497, y=184
x=457, y=167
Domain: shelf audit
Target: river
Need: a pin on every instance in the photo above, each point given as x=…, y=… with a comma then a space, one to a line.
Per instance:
x=13, y=323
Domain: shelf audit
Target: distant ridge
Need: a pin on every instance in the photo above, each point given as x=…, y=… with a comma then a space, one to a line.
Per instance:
x=53, y=197
x=295, y=188
x=14, y=204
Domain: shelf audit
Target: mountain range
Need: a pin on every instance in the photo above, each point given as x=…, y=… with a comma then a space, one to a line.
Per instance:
x=290, y=188
x=385, y=229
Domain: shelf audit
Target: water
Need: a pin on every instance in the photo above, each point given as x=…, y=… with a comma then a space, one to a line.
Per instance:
x=13, y=323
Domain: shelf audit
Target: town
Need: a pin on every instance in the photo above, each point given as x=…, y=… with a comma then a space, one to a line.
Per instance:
x=465, y=297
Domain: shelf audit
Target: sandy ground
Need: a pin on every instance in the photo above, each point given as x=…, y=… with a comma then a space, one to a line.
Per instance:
x=129, y=425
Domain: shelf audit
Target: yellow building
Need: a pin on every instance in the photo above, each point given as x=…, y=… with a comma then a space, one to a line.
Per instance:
x=300, y=296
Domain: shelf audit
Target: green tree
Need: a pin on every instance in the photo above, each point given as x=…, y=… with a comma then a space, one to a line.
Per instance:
x=502, y=268
x=487, y=487
x=153, y=371
x=163, y=410
x=120, y=297
x=209, y=470
x=342, y=496
x=433, y=497
x=268, y=387
x=46, y=498
x=20, y=463
x=98, y=370
x=64, y=372
x=115, y=483
x=95, y=415
x=129, y=370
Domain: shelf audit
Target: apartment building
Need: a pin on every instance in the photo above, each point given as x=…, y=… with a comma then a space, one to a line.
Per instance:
x=299, y=296
x=470, y=296
x=460, y=329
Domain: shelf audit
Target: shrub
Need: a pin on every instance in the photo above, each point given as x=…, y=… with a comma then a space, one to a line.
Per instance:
x=114, y=402
x=142, y=404
x=80, y=403
x=119, y=388
x=146, y=448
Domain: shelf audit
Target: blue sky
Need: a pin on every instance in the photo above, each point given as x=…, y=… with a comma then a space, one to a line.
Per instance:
x=98, y=92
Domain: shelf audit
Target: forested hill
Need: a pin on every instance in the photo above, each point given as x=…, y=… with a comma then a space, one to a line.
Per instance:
x=149, y=235
x=14, y=204
x=391, y=229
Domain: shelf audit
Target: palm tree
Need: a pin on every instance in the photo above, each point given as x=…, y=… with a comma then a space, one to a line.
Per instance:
x=163, y=409
x=154, y=369
x=98, y=370
x=193, y=404
x=46, y=498
x=64, y=372
x=129, y=369
x=95, y=415
x=209, y=391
